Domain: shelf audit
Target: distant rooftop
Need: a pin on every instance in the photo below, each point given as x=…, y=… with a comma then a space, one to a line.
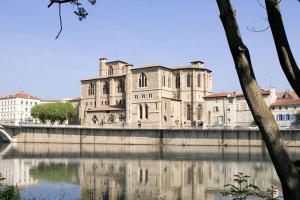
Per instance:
x=21, y=95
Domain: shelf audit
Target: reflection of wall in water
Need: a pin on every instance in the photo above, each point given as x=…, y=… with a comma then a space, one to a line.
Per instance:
x=16, y=172
x=102, y=179
x=153, y=179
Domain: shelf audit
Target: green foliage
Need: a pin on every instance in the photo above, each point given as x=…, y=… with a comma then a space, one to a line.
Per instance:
x=8, y=192
x=54, y=172
x=53, y=112
x=298, y=118
x=241, y=189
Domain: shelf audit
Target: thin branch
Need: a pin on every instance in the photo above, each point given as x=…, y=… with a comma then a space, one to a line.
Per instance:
x=59, y=2
x=252, y=29
x=60, y=21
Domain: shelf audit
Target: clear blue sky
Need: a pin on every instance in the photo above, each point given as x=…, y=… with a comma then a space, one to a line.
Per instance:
x=166, y=32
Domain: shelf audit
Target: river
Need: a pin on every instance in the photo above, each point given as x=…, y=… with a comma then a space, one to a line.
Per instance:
x=90, y=172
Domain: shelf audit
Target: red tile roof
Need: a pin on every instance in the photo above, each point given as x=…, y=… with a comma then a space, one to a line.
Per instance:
x=262, y=92
x=287, y=95
x=218, y=94
x=286, y=102
x=22, y=95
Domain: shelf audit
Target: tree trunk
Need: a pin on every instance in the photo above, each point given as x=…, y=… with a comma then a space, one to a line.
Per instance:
x=287, y=172
x=285, y=55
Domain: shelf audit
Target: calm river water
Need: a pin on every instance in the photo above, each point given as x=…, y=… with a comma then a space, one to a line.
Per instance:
x=90, y=172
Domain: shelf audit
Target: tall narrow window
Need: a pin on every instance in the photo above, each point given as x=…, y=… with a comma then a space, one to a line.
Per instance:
x=143, y=80
x=110, y=70
x=177, y=81
x=105, y=88
x=120, y=86
x=169, y=81
x=199, y=80
x=91, y=90
x=141, y=111
x=188, y=80
x=199, y=112
x=188, y=112
x=146, y=111
x=163, y=80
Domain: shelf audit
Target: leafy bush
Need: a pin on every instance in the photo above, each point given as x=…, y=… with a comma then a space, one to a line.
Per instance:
x=241, y=189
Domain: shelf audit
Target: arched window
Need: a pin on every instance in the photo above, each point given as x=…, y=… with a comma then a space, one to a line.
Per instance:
x=91, y=90
x=199, y=112
x=177, y=81
x=110, y=70
x=146, y=111
x=106, y=88
x=141, y=111
x=199, y=80
x=189, y=112
x=188, y=80
x=120, y=86
x=143, y=80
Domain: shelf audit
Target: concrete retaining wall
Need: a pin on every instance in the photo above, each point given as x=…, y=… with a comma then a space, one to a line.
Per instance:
x=194, y=137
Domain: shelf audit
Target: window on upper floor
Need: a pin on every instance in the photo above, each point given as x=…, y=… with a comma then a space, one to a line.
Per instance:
x=143, y=80
x=216, y=109
x=105, y=88
x=92, y=88
x=169, y=81
x=110, y=70
x=163, y=80
x=188, y=80
x=121, y=86
x=177, y=81
x=199, y=80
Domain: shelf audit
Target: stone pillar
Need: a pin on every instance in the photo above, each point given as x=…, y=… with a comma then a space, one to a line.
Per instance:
x=128, y=92
x=102, y=67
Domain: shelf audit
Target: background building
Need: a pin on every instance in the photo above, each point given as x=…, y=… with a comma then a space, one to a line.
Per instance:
x=16, y=108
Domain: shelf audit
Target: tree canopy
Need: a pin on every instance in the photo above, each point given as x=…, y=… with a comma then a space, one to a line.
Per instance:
x=53, y=112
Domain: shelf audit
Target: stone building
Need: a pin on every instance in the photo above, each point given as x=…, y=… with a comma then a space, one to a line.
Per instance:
x=146, y=96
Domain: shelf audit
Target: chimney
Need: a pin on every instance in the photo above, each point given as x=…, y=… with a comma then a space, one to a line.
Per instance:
x=102, y=67
x=197, y=63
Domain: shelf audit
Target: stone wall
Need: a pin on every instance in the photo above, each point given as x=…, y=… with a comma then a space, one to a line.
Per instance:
x=183, y=137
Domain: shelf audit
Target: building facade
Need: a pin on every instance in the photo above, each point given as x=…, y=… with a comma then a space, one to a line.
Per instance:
x=147, y=96
x=16, y=108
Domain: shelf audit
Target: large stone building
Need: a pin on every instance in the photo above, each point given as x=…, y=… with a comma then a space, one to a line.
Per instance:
x=147, y=96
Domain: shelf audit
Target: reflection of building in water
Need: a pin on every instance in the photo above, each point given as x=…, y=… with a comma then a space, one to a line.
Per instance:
x=16, y=172
x=153, y=179
x=102, y=179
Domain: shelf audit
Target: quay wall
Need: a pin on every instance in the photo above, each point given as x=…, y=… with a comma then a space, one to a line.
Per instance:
x=127, y=136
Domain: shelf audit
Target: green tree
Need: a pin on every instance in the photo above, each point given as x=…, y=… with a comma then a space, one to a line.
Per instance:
x=53, y=112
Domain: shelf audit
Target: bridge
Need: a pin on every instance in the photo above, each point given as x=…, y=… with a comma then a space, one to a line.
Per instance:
x=5, y=137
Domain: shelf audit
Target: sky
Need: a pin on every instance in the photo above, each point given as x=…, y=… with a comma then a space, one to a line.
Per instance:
x=166, y=32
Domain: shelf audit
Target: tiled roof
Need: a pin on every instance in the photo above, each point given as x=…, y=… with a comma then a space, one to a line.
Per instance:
x=218, y=94
x=286, y=102
x=287, y=95
x=262, y=92
x=22, y=95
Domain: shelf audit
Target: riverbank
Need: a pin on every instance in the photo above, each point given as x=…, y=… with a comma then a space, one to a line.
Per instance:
x=130, y=136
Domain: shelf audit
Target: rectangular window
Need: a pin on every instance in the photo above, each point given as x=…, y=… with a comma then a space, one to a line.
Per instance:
x=216, y=109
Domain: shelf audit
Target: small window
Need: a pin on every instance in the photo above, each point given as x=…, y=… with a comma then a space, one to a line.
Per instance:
x=177, y=81
x=143, y=80
x=110, y=70
x=188, y=80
